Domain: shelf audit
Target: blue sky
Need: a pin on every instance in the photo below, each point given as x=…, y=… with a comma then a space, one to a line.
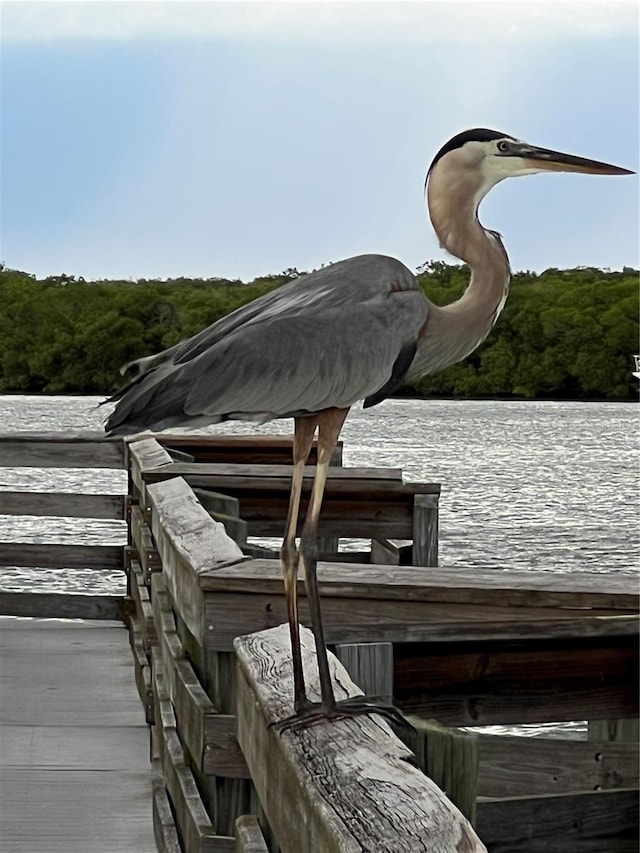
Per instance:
x=236, y=139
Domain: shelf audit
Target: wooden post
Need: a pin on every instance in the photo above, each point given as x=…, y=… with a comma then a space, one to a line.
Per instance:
x=425, y=530
x=336, y=787
x=249, y=838
x=370, y=665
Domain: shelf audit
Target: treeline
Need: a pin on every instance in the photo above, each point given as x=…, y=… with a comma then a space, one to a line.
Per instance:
x=563, y=333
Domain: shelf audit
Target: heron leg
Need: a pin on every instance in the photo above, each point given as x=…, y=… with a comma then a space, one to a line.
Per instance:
x=329, y=425
x=304, y=431
x=309, y=714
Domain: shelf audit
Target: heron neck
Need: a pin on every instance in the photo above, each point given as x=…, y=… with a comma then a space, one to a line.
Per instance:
x=454, y=331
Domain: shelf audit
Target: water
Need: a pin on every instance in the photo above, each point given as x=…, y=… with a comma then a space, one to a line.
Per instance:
x=536, y=486
x=539, y=486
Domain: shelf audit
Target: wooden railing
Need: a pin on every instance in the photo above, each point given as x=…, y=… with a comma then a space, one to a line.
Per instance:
x=465, y=648
x=56, y=450
x=459, y=647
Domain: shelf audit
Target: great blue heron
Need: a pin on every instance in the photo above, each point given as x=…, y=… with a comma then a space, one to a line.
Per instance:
x=352, y=331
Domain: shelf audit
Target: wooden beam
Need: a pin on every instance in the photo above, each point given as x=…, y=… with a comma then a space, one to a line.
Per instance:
x=48, y=555
x=245, y=449
x=521, y=766
x=141, y=454
x=140, y=535
x=189, y=543
x=62, y=504
x=194, y=823
x=559, y=590
x=425, y=530
x=60, y=450
x=278, y=477
x=370, y=619
x=490, y=683
x=249, y=837
x=144, y=611
x=55, y=605
x=572, y=823
x=345, y=785
x=164, y=827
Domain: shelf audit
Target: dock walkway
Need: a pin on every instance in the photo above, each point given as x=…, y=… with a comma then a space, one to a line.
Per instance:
x=74, y=745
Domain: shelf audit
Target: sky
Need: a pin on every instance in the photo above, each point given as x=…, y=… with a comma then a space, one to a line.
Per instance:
x=237, y=139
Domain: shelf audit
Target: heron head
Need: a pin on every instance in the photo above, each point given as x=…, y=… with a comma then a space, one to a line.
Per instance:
x=482, y=158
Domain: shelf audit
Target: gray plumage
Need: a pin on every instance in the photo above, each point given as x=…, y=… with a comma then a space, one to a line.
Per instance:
x=314, y=347
x=354, y=330
x=364, y=312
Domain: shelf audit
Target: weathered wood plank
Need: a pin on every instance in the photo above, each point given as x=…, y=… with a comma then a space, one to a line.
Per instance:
x=60, y=450
x=74, y=773
x=143, y=453
x=370, y=665
x=278, y=478
x=343, y=786
x=140, y=534
x=599, y=822
x=55, y=605
x=358, y=518
x=559, y=590
x=615, y=731
x=189, y=543
x=372, y=619
x=244, y=449
x=524, y=766
x=48, y=555
x=249, y=837
x=144, y=611
x=425, y=530
x=193, y=822
x=142, y=671
x=209, y=735
x=62, y=504
x=164, y=826
x=490, y=683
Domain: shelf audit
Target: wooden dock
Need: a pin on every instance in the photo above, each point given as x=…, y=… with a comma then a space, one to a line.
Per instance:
x=458, y=648
x=74, y=745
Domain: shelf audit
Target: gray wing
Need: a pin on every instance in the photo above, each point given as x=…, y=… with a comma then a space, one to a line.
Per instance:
x=342, y=334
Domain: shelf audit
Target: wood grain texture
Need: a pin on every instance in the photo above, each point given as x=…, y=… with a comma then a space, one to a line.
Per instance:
x=425, y=530
x=189, y=543
x=558, y=590
x=60, y=450
x=370, y=665
x=344, y=786
x=353, y=620
x=194, y=823
x=602, y=822
x=62, y=504
x=74, y=770
x=521, y=766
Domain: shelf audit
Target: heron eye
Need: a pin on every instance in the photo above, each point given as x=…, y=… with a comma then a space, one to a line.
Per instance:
x=503, y=146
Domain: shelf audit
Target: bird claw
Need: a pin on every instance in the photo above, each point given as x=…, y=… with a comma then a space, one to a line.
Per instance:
x=315, y=713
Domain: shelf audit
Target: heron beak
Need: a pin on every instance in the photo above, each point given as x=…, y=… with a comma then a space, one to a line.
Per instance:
x=542, y=159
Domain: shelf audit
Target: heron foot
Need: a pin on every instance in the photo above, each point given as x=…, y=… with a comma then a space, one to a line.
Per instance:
x=315, y=713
